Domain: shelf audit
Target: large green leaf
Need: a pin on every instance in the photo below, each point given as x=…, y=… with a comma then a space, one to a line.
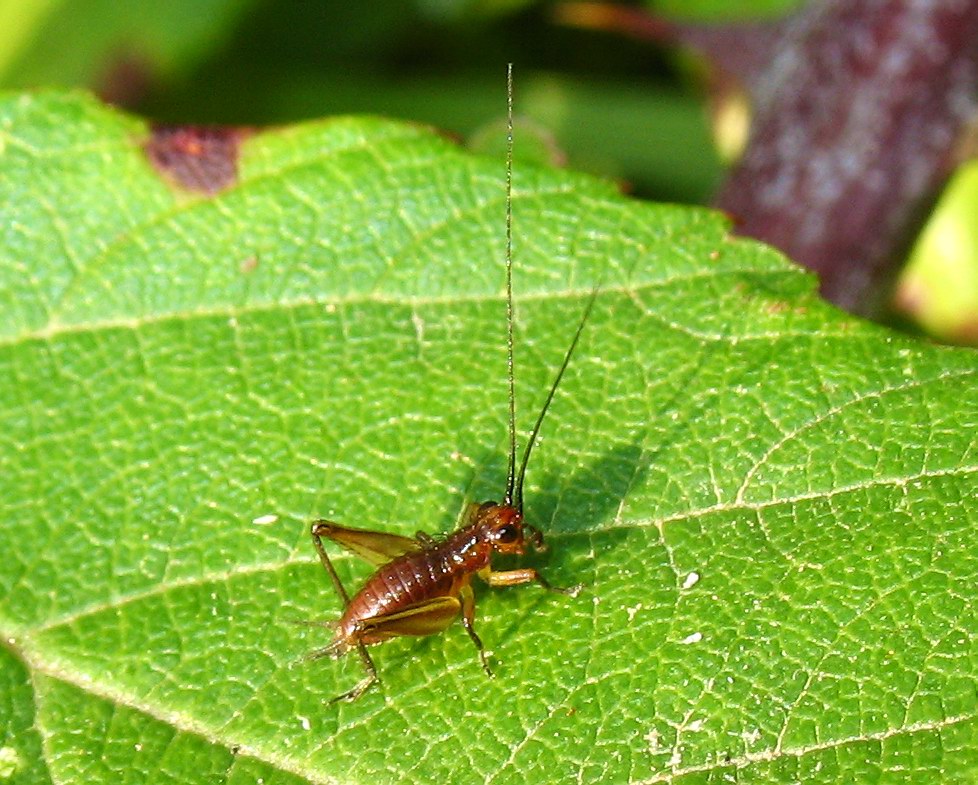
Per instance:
x=772, y=506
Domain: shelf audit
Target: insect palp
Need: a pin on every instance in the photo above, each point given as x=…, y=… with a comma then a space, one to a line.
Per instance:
x=536, y=538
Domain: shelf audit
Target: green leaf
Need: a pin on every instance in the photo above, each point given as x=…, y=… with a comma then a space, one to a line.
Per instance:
x=772, y=505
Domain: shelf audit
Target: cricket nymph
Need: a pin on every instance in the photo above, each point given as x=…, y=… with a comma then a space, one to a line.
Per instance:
x=421, y=584
x=422, y=590
x=439, y=568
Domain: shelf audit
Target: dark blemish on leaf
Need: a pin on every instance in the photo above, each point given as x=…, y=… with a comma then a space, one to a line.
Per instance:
x=198, y=158
x=249, y=265
x=776, y=307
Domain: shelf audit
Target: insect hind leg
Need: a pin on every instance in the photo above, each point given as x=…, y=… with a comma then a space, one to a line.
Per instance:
x=365, y=683
x=337, y=649
x=317, y=531
x=341, y=645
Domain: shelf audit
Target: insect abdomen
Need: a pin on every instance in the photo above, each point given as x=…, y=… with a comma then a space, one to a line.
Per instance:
x=413, y=578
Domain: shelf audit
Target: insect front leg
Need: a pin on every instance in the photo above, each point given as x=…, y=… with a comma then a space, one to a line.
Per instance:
x=525, y=575
x=468, y=621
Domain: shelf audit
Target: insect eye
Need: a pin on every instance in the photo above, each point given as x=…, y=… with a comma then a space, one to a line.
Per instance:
x=507, y=534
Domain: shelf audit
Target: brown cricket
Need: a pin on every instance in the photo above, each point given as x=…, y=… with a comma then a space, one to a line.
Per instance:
x=422, y=583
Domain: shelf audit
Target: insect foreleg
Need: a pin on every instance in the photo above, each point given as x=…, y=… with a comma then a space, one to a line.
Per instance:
x=468, y=621
x=525, y=575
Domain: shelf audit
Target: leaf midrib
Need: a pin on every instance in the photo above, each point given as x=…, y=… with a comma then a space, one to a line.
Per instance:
x=13, y=630
x=53, y=331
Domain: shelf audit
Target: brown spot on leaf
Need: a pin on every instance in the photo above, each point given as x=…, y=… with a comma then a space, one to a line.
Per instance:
x=249, y=265
x=198, y=158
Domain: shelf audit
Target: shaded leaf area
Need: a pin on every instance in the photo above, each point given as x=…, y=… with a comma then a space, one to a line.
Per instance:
x=772, y=506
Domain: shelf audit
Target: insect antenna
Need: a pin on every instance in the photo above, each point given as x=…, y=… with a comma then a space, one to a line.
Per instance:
x=511, y=471
x=514, y=483
x=550, y=397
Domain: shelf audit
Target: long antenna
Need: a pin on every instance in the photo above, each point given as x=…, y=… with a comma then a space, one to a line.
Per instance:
x=550, y=397
x=511, y=472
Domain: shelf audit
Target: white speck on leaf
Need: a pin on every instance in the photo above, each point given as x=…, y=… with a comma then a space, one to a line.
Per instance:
x=418, y=327
x=462, y=458
x=304, y=722
x=691, y=580
x=9, y=762
x=696, y=637
x=652, y=737
x=265, y=520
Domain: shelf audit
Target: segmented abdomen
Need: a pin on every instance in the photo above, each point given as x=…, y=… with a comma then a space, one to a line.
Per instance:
x=413, y=578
